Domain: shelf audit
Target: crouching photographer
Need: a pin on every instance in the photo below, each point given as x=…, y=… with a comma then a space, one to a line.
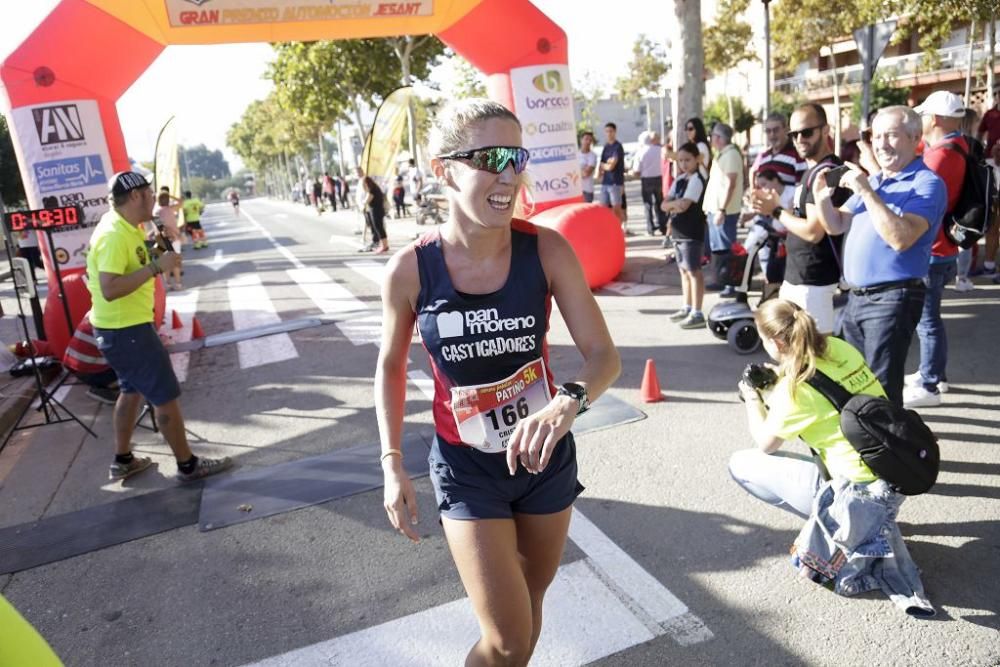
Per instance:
x=850, y=539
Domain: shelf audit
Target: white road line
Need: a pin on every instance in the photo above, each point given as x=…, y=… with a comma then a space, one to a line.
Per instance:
x=346, y=240
x=277, y=246
x=369, y=268
x=330, y=297
x=423, y=382
x=186, y=305
x=252, y=307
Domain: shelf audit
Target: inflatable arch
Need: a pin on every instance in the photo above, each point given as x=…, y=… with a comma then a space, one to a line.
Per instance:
x=63, y=81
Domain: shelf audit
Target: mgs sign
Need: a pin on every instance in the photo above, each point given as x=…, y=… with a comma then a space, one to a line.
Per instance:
x=58, y=124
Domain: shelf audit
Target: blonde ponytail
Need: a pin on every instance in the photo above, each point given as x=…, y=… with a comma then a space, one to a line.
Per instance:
x=785, y=322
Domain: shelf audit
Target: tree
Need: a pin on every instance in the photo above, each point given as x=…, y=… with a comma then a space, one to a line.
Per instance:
x=467, y=81
x=800, y=28
x=688, y=80
x=198, y=161
x=585, y=97
x=11, y=188
x=728, y=42
x=786, y=104
x=720, y=109
x=646, y=71
x=884, y=93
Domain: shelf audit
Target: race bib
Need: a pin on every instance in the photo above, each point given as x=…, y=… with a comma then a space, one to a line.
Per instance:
x=487, y=414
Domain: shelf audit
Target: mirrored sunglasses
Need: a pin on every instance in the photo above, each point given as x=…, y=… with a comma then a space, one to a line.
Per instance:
x=493, y=159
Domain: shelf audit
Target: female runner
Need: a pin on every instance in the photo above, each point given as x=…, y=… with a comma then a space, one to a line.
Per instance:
x=503, y=464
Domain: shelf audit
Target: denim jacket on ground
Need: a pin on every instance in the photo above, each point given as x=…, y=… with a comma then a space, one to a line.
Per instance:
x=852, y=539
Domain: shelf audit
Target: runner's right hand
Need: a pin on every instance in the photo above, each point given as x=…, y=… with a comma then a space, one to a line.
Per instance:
x=400, y=502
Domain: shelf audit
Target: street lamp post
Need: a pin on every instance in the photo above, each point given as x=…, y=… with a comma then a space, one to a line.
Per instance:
x=767, y=57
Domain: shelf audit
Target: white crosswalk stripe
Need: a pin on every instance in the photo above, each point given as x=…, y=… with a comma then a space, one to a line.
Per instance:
x=252, y=307
x=185, y=304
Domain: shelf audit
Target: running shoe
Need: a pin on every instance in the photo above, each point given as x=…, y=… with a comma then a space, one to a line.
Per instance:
x=916, y=380
x=679, y=315
x=122, y=471
x=919, y=397
x=693, y=321
x=205, y=468
x=964, y=285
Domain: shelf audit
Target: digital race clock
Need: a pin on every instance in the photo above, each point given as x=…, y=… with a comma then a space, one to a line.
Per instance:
x=43, y=218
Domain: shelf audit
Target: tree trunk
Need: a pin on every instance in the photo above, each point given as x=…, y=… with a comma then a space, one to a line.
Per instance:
x=688, y=89
x=649, y=115
x=836, y=103
x=340, y=148
x=729, y=101
x=404, y=47
x=322, y=151
x=991, y=38
x=968, y=68
x=356, y=107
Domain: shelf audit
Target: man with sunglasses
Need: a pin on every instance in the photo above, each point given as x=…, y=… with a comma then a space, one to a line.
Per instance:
x=780, y=154
x=893, y=218
x=812, y=265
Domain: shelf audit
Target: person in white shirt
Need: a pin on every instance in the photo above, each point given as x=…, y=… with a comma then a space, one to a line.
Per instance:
x=416, y=179
x=588, y=163
x=648, y=166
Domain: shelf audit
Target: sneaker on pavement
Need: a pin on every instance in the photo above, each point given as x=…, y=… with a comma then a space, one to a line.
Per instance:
x=919, y=397
x=916, y=380
x=206, y=467
x=679, y=315
x=728, y=292
x=964, y=285
x=693, y=321
x=103, y=395
x=122, y=471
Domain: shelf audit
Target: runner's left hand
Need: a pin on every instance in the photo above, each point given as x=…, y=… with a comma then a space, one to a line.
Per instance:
x=536, y=436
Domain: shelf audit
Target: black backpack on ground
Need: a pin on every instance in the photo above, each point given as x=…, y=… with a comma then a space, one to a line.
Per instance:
x=893, y=441
x=967, y=222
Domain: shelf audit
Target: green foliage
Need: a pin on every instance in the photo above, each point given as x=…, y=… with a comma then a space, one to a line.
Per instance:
x=728, y=42
x=646, y=71
x=198, y=161
x=585, y=97
x=786, y=104
x=933, y=21
x=800, y=28
x=204, y=188
x=468, y=81
x=884, y=93
x=717, y=111
x=11, y=188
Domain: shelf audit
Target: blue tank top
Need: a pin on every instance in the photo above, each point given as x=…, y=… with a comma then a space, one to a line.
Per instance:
x=488, y=351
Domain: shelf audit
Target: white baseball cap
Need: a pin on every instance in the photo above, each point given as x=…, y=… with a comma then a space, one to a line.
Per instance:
x=942, y=103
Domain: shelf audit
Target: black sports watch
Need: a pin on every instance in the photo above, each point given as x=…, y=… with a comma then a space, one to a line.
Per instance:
x=577, y=392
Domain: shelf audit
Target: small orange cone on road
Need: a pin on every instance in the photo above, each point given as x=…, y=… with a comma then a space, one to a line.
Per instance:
x=176, y=323
x=196, y=330
x=650, y=384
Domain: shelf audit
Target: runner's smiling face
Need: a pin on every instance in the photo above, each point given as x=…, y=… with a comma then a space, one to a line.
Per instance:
x=477, y=196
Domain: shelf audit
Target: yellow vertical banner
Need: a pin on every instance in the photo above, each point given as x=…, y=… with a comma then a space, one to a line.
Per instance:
x=166, y=168
x=386, y=137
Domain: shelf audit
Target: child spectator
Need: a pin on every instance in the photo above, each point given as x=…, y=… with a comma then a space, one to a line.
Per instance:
x=687, y=226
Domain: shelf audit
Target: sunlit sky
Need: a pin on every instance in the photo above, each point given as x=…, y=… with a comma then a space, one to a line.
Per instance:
x=208, y=87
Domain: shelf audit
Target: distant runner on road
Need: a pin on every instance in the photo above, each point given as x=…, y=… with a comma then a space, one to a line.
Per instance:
x=234, y=199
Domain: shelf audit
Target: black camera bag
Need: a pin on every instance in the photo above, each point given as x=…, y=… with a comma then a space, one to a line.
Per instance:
x=893, y=441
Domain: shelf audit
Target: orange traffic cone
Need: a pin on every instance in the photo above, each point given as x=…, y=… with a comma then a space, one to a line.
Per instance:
x=176, y=324
x=650, y=384
x=196, y=330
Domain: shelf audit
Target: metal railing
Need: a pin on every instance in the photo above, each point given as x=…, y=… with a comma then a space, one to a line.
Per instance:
x=950, y=59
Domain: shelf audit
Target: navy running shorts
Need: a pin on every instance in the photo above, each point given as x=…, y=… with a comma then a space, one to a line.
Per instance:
x=470, y=484
x=140, y=361
x=193, y=224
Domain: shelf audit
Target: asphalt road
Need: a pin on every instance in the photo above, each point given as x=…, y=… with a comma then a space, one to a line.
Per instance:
x=657, y=490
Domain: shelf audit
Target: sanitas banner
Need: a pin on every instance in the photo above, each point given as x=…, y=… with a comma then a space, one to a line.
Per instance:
x=65, y=161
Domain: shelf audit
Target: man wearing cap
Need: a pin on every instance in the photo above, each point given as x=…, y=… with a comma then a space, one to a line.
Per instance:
x=944, y=154
x=120, y=276
x=893, y=218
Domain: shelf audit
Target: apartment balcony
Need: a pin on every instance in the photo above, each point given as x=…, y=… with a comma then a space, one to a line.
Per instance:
x=906, y=70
